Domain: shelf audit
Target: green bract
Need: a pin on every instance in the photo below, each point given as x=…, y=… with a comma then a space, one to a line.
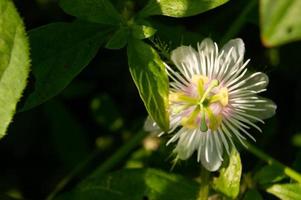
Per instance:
x=14, y=62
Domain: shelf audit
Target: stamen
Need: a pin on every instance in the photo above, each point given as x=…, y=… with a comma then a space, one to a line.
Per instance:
x=221, y=96
x=213, y=84
x=180, y=97
x=214, y=121
x=190, y=121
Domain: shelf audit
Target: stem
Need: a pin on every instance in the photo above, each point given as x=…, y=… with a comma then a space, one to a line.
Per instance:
x=271, y=161
x=104, y=167
x=239, y=22
x=204, y=188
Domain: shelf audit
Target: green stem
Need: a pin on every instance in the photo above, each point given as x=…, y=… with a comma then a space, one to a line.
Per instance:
x=204, y=188
x=287, y=170
x=239, y=22
x=104, y=167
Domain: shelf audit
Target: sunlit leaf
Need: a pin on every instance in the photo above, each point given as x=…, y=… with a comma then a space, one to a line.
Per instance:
x=99, y=11
x=135, y=184
x=14, y=62
x=228, y=181
x=149, y=75
x=59, y=52
x=269, y=174
x=179, y=8
x=286, y=191
x=280, y=21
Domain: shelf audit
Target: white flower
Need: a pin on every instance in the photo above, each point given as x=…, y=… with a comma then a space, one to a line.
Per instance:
x=212, y=99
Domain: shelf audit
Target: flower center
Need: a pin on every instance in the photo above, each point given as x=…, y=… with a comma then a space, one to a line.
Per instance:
x=200, y=104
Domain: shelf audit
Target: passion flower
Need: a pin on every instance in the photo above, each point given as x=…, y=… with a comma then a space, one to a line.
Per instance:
x=212, y=99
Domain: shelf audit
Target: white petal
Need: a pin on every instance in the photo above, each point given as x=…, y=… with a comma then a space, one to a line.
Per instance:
x=209, y=155
x=150, y=125
x=266, y=108
x=186, y=60
x=206, y=45
x=238, y=49
x=231, y=59
x=187, y=144
x=255, y=82
x=208, y=52
x=258, y=78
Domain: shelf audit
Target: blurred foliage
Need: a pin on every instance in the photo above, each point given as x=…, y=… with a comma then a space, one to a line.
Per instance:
x=81, y=107
x=286, y=191
x=280, y=22
x=135, y=184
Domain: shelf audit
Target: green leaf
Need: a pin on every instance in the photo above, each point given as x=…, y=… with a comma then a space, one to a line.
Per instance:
x=135, y=184
x=59, y=52
x=179, y=8
x=149, y=75
x=252, y=194
x=286, y=191
x=280, y=23
x=142, y=31
x=14, y=62
x=99, y=11
x=228, y=181
x=269, y=174
x=119, y=39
